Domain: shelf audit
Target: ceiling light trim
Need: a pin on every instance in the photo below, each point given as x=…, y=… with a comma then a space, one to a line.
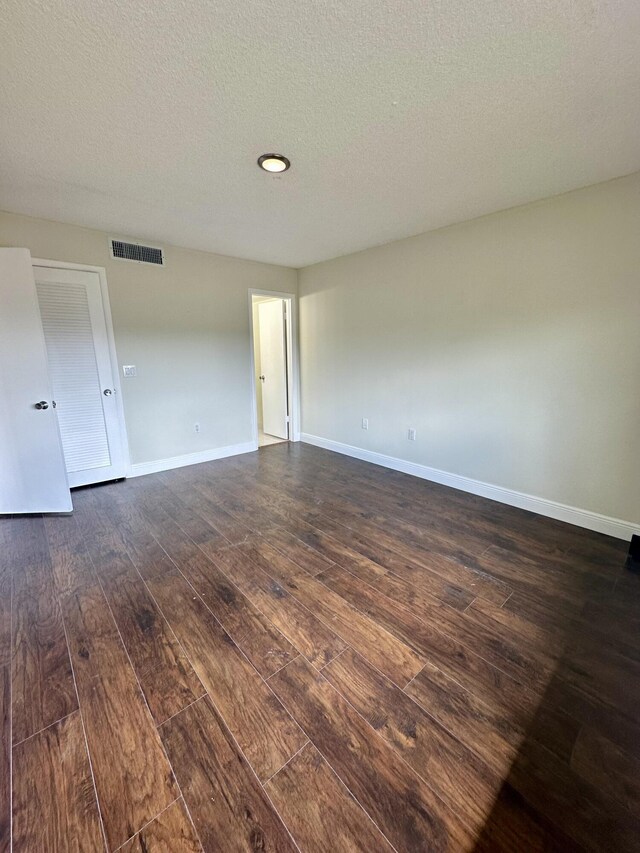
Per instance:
x=265, y=159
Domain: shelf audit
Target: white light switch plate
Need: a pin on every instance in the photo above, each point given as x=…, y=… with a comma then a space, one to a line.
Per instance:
x=129, y=370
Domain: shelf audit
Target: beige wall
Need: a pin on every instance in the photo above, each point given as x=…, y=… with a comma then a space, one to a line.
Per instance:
x=511, y=343
x=185, y=327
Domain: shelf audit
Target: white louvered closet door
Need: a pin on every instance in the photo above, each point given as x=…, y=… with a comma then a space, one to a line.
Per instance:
x=81, y=375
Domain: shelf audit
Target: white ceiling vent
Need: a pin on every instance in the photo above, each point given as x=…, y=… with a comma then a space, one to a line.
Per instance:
x=124, y=250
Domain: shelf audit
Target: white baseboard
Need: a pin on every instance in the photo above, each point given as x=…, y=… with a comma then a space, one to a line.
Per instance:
x=570, y=514
x=156, y=465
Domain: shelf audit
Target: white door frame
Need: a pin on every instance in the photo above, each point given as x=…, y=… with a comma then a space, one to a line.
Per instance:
x=293, y=369
x=113, y=357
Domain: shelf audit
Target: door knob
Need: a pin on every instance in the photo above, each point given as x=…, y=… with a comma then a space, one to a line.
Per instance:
x=261, y=377
x=42, y=405
x=107, y=392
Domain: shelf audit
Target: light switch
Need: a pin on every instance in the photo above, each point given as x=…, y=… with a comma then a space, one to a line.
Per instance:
x=129, y=370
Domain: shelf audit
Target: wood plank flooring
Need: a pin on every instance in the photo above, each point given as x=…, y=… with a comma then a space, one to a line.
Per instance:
x=294, y=650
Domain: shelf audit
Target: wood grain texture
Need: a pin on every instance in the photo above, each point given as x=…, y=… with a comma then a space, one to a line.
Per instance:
x=70, y=561
x=588, y=815
x=515, y=635
x=521, y=571
x=463, y=781
x=405, y=809
x=165, y=675
x=125, y=511
x=7, y=563
x=264, y=730
x=411, y=562
x=490, y=731
x=171, y=832
x=228, y=805
x=307, y=633
x=395, y=658
x=5, y=758
x=266, y=647
x=607, y=767
x=489, y=641
x=193, y=525
x=616, y=727
x=602, y=673
x=415, y=541
x=42, y=681
x=133, y=778
x=545, y=638
x=335, y=551
x=319, y=810
x=309, y=558
x=54, y=804
x=249, y=506
x=199, y=501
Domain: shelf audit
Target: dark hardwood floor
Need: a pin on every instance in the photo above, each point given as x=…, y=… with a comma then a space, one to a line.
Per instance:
x=293, y=650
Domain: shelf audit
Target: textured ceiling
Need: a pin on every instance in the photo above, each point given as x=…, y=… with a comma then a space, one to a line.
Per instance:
x=146, y=118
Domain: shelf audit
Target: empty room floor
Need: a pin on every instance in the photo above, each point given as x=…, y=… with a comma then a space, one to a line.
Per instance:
x=292, y=650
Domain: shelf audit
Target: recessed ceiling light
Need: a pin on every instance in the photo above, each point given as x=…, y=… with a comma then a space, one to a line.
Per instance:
x=273, y=163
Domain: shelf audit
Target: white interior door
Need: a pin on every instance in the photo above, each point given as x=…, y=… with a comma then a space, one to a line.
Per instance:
x=32, y=468
x=273, y=366
x=81, y=373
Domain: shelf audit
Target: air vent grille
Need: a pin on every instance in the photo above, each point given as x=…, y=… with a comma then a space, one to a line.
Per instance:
x=135, y=252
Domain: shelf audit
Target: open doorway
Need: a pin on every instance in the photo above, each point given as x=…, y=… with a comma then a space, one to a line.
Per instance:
x=272, y=367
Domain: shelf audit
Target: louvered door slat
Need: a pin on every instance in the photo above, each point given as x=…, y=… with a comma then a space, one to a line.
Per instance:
x=73, y=369
x=74, y=308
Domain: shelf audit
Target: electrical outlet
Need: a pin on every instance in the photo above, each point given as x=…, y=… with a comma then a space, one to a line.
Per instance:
x=365, y=423
x=411, y=434
x=196, y=427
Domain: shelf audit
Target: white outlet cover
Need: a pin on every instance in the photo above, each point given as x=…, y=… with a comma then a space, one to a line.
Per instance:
x=129, y=370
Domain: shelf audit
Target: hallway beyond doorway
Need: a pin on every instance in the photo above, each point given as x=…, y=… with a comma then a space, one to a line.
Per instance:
x=264, y=439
